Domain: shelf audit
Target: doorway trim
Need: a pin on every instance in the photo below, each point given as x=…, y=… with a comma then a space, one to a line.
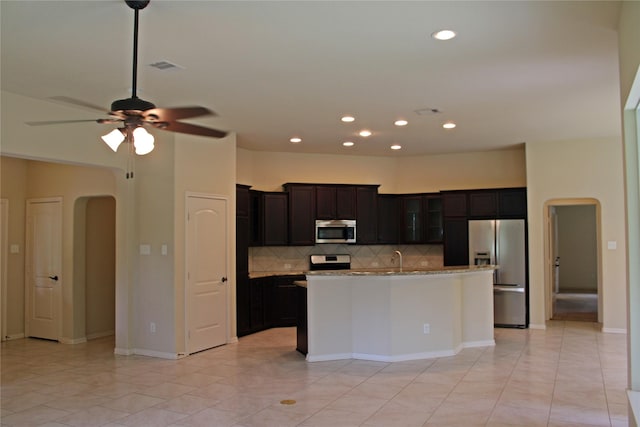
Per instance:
x=548, y=250
x=4, y=241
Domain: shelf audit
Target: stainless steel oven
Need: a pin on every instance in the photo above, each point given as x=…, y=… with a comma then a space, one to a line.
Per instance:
x=336, y=231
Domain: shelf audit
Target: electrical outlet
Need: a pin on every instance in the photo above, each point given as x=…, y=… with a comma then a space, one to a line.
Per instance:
x=426, y=328
x=287, y=266
x=152, y=327
x=424, y=263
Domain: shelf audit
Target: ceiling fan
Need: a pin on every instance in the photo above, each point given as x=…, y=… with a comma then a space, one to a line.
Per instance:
x=134, y=113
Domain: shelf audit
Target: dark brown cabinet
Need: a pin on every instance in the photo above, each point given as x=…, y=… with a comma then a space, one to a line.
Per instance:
x=483, y=204
x=335, y=202
x=456, y=242
x=433, y=218
x=421, y=218
x=242, y=258
x=388, y=219
x=275, y=223
x=284, y=301
x=454, y=204
x=455, y=229
x=412, y=219
x=302, y=212
x=366, y=215
x=302, y=336
x=512, y=203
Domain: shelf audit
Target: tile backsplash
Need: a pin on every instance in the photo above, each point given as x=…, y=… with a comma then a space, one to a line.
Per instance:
x=296, y=258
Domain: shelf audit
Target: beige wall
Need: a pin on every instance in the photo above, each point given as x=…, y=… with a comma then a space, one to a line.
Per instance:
x=596, y=173
x=208, y=166
x=26, y=179
x=490, y=169
x=14, y=188
x=629, y=45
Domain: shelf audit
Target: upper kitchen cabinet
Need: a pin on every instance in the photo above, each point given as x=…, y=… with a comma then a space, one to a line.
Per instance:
x=504, y=203
x=302, y=212
x=242, y=200
x=412, y=219
x=421, y=216
x=335, y=202
x=275, y=223
x=433, y=218
x=388, y=219
x=366, y=214
x=454, y=204
x=483, y=204
x=512, y=203
x=255, y=218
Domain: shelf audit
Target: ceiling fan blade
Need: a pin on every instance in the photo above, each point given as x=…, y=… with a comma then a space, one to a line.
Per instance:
x=60, y=122
x=178, y=113
x=190, y=129
x=76, y=102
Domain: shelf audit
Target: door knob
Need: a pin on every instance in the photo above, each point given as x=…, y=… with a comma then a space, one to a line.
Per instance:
x=224, y=279
x=54, y=278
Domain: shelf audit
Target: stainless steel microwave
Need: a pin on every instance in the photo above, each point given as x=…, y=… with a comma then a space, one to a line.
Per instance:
x=336, y=231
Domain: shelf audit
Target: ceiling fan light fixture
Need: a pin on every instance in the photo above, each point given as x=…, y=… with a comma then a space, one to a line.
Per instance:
x=142, y=141
x=113, y=139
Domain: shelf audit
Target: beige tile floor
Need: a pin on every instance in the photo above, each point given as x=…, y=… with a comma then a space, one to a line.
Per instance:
x=567, y=375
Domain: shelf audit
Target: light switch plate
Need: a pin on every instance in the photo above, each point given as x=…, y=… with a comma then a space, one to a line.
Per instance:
x=612, y=244
x=14, y=249
x=145, y=249
x=164, y=249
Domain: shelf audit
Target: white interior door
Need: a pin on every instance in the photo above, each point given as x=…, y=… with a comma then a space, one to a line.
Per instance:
x=206, y=262
x=43, y=268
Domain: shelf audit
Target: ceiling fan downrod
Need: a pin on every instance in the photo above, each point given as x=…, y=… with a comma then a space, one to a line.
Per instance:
x=134, y=103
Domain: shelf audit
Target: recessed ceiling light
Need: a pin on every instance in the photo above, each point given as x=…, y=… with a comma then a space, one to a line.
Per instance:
x=396, y=147
x=348, y=144
x=295, y=140
x=401, y=123
x=347, y=119
x=444, y=35
x=449, y=125
x=365, y=133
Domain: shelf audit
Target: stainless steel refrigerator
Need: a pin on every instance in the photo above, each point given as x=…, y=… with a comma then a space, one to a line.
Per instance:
x=503, y=243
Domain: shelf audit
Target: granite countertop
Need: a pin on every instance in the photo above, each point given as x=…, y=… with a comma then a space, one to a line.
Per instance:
x=379, y=271
x=405, y=272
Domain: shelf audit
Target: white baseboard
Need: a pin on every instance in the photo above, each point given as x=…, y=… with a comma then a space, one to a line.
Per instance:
x=65, y=340
x=485, y=343
x=614, y=330
x=537, y=326
x=327, y=357
x=153, y=353
x=103, y=334
x=13, y=337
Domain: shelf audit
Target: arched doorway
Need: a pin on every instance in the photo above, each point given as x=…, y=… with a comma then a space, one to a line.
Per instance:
x=94, y=264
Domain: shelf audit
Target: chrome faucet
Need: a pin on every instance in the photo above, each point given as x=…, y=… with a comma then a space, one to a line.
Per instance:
x=399, y=258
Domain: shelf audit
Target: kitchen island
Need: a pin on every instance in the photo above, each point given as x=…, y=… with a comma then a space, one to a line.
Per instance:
x=398, y=315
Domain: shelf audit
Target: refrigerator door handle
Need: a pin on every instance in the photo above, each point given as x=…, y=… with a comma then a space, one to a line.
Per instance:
x=497, y=249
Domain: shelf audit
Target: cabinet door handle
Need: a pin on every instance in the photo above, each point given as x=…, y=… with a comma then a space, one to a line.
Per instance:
x=54, y=278
x=224, y=279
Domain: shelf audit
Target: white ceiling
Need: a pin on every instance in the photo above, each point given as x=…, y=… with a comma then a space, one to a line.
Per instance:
x=519, y=71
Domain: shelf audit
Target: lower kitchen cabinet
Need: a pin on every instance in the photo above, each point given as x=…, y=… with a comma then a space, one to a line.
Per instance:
x=302, y=337
x=285, y=307
x=266, y=302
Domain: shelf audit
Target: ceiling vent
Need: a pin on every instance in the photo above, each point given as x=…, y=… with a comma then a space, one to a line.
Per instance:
x=166, y=66
x=427, y=111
